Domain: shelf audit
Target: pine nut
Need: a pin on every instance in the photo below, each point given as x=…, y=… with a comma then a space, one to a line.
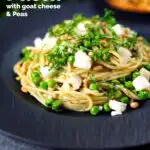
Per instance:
x=134, y=105
x=90, y=54
x=23, y=89
x=85, y=83
x=103, y=41
x=97, y=68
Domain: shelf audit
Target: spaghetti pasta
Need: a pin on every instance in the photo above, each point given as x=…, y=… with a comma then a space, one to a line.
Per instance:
x=84, y=63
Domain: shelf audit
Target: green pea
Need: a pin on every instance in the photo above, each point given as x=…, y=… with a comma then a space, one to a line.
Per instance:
x=44, y=85
x=135, y=74
x=93, y=86
x=147, y=67
x=128, y=84
x=143, y=95
x=124, y=100
x=36, y=80
x=56, y=105
x=71, y=59
x=94, y=110
x=106, y=107
x=118, y=94
x=35, y=74
x=86, y=43
x=106, y=57
x=134, y=91
x=48, y=102
x=51, y=83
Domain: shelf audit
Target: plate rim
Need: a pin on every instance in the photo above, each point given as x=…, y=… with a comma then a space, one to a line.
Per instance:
x=37, y=143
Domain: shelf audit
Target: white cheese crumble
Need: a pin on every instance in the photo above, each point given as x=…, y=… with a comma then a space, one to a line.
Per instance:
x=75, y=81
x=82, y=61
x=44, y=71
x=117, y=106
x=125, y=54
x=80, y=29
x=140, y=83
x=145, y=73
x=115, y=113
x=100, y=108
x=47, y=43
x=131, y=32
x=66, y=87
x=118, y=29
x=38, y=42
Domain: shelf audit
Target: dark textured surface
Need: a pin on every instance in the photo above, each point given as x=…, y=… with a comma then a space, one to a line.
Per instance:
x=22, y=116
x=10, y=144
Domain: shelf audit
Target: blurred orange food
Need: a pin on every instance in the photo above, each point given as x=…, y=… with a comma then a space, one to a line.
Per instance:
x=142, y=6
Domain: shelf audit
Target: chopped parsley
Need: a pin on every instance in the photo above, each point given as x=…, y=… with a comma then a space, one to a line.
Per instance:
x=25, y=54
x=99, y=39
x=108, y=17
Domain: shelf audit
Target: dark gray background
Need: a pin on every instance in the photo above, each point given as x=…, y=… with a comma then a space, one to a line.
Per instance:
x=7, y=143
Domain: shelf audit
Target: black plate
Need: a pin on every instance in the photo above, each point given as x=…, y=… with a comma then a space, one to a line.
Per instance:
x=22, y=117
